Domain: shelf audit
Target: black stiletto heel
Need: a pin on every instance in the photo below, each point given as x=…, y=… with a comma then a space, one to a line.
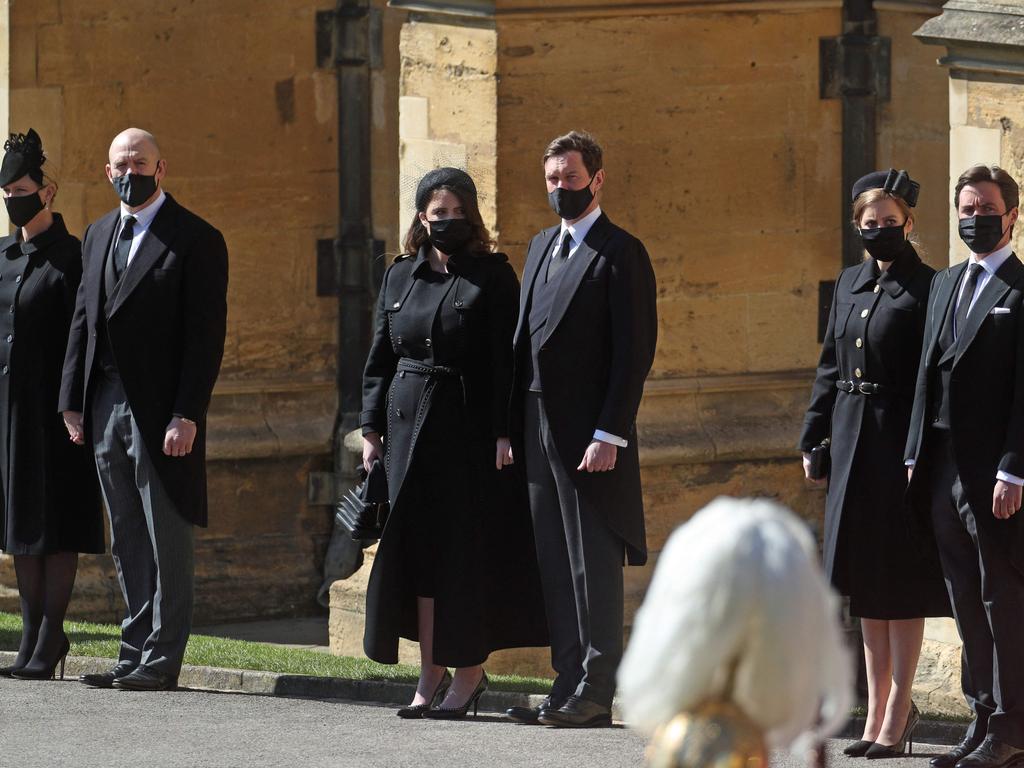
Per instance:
x=457, y=713
x=906, y=743
x=45, y=673
x=413, y=712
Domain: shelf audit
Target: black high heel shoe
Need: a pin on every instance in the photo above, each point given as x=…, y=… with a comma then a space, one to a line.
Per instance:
x=9, y=671
x=906, y=743
x=457, y=713
x=858, y=748
x=415, y=711
x=28, y=672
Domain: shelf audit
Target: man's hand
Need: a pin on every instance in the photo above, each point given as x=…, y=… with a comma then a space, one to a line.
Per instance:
x=503, y=449
x=599, y=457
x=807, y=473
x=1005, y=500
x=373, y=449
x=179, y=437
x=73, y=423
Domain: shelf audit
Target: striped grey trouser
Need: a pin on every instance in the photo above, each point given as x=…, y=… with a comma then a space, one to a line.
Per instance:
x=151, y=543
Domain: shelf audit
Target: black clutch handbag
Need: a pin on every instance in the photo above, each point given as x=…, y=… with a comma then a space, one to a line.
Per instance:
x=363, y=510
x=821, y=460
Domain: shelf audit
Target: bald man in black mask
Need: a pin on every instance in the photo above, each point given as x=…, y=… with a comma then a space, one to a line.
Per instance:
x=143, y=355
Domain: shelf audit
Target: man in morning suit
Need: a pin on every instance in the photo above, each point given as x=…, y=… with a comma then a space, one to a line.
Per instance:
x=966, y=453
x=144, y=352
x=584, y=345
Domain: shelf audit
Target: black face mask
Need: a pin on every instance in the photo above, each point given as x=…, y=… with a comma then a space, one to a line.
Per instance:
x=884, y=243
x=570, y=204
x=21, y=210
x=450, y=235
x=134, y=189
x=982, y=233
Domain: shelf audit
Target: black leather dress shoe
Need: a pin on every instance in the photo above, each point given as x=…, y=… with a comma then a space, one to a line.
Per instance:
x=577, y=713
x=956, y=754
x=145, y=679
x=530, y=715
x=992, y=753
x=106, y=679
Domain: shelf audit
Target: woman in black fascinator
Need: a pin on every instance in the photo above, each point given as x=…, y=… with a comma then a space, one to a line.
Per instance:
x=50, y=511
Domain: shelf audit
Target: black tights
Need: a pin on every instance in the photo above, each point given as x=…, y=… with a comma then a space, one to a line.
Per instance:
x=44, y=584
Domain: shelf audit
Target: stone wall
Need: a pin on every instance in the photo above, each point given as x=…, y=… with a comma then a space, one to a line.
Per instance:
x=248, y=125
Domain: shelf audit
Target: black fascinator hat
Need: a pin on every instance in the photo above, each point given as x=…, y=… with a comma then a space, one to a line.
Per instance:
x=23, y=156
x=894, y=182
x=453, y=178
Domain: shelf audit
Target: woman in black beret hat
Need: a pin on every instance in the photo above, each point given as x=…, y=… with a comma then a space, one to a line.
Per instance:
x=51, y=510
x=860, y=408
x=455, y=568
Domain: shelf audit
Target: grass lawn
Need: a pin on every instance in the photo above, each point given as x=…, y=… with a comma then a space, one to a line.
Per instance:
x=88, y=639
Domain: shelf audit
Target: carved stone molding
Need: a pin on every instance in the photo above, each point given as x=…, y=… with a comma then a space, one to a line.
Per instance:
x=981, y=37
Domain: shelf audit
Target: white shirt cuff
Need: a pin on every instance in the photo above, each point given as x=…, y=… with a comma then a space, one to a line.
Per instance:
x=910, y=462
x=1006, y=477
x=607, y=437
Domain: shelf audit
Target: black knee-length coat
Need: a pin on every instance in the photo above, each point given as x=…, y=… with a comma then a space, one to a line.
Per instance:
x=486, y=584
x=874, y=335
x=50, y=491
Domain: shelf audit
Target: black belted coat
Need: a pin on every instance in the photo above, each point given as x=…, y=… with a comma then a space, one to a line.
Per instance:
x=436, y=387
x=874, y=336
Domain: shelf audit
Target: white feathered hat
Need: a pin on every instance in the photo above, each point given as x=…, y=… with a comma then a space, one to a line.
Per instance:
x=739, y=598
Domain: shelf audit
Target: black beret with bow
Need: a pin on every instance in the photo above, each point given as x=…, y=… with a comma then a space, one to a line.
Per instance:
x=894, y=182
x=23, y=157
x=455, y=179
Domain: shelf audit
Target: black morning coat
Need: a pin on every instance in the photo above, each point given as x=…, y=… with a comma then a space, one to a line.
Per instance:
x=488, y=594
x=986, y=397
x=597, y=350
x=51, y=499
x=874, y=333
x=166, y=324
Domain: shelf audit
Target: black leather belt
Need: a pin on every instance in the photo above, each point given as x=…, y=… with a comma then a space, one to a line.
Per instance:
x=864, y=388
x=410, y=365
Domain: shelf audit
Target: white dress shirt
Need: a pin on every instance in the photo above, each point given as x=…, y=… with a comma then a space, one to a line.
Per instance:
x=143, y=218
x=989, y=266
x=578, y=232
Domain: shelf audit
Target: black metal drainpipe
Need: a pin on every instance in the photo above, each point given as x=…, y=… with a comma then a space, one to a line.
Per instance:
x=352, y=248
x=854, y=68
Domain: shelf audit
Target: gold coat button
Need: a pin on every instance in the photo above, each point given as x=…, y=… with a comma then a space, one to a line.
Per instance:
x=878, y=288
x=859, y=343
x=857, y=373
x=864, y=313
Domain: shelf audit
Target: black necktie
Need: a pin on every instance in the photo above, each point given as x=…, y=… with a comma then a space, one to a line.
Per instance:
x=964, y=307
x=560, y=256
x=124, y=246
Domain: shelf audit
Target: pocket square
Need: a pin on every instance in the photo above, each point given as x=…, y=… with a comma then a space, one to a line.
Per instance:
x=1000, y=311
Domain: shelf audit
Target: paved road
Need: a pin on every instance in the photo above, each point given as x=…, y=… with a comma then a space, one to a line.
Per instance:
x=44, y=725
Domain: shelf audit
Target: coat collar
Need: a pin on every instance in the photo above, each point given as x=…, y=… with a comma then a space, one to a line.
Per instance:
x=575, y=269
x=57, y=231
x=894, y=280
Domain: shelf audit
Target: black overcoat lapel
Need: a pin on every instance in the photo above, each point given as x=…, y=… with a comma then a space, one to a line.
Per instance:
x=540, y=246
x=574, y=271
x=99, y=243
x=995, y=289
x=154, y=245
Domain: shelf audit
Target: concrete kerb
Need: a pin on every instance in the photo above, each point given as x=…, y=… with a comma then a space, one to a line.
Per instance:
x=257, y=683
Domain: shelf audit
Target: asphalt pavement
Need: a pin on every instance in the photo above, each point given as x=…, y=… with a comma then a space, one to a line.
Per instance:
x=48, y=724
